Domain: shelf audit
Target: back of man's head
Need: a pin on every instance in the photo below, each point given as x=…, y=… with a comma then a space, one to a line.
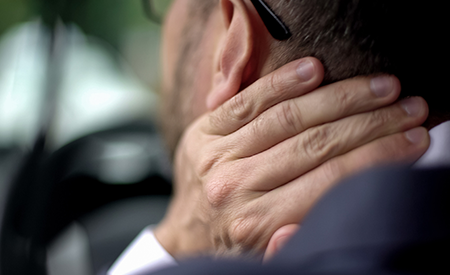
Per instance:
x=362, y=37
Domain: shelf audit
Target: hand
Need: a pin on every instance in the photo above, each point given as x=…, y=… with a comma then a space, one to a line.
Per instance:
x=261, y=160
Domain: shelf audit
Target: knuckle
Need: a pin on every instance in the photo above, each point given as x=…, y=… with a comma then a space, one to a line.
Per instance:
x=207, y=163
x=381, y=117
x=240, y=110
x=290, y=118
x=319, y=143
x=342, y=96
x=219, y=192
x=240, y=231
x=273, y=83
x=259, y=129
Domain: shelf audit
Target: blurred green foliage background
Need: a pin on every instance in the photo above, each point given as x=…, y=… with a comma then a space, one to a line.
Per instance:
x=105, y=19
x=13, y=12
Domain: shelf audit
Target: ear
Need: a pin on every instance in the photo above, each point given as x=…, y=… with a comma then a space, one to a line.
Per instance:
x=235, y=53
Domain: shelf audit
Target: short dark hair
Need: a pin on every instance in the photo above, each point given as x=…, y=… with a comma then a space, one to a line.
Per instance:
x=363, y=37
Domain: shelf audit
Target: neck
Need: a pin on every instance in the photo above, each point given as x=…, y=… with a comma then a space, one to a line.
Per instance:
x=434, y=119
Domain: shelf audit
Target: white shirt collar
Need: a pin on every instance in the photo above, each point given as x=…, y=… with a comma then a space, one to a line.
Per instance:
x=144, y=255
x=439, y=152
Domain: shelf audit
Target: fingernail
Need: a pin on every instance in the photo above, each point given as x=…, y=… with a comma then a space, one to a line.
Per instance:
x=416, y=135
x=381, y=86
x=305, y=70
x=412, y=106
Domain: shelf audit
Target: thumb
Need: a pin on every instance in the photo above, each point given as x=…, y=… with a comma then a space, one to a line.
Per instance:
x=279, y=239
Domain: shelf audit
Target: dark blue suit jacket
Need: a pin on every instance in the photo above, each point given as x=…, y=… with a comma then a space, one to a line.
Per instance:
x=384, y=221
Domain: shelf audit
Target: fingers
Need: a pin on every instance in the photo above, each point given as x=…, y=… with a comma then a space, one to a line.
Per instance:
x=292, y=80
x=296, y=156
x=303, y=192
x=329, y=103
x=279, y=239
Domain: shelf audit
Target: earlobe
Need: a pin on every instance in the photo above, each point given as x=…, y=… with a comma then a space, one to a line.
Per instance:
x=235, y=53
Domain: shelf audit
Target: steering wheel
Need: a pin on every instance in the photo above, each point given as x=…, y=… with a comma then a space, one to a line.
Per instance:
x=24, y=182
x=20, y=249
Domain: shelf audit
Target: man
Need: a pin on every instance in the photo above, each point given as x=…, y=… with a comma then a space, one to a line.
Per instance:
x=260, y=149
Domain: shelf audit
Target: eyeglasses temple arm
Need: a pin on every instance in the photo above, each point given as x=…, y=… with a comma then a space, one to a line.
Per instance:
x=274, y=25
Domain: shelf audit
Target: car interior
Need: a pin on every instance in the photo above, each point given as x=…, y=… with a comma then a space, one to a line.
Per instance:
x=73, y=208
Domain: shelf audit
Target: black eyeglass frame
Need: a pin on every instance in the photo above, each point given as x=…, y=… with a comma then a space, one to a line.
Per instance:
x=273, y=23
